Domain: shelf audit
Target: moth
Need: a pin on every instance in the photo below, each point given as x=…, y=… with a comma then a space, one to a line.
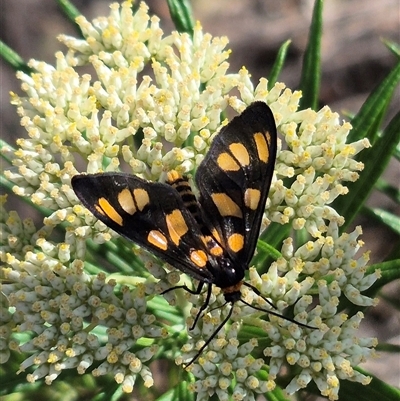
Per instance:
x=212, y=238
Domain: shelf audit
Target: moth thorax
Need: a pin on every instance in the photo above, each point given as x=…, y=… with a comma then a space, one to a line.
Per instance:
x=229, y=279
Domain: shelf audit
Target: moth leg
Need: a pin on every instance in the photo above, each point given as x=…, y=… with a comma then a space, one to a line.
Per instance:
x=197, y=291
x=216, y=331
x=184, y=287
x=205, y=304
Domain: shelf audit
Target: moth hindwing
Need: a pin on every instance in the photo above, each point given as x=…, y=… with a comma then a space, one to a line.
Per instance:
x=212, y=239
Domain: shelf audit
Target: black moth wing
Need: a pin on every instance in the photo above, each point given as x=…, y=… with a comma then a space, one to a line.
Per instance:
x=150, y=214
x=234, y=180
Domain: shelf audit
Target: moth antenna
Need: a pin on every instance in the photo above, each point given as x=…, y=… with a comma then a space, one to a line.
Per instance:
x=256, y=290
x=278, y=315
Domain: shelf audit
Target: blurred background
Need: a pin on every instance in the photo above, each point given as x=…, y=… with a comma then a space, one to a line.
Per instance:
x=354, y=61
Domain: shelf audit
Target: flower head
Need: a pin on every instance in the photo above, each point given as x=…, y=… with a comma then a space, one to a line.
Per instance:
x=152, y=104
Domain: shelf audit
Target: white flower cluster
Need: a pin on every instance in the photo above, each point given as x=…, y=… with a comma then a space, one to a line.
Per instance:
x=326, y=350
x=77, y=319
x=316, y=160
x=154, y=104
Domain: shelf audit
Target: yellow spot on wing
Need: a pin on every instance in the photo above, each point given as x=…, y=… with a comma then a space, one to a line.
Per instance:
x=176, y=226
x=157, y=239
x=141, y=197
x=125, y=200
x=241, y=154
x=227, y=163
x=133, y=201
x=216, y=250
x=212, y=246
x=199, y=258
x=252, y=198
x=236, y=242
x=216, y=236
x=268, y=136
x=262, y=146
x=99, y=210
x=226, y=206
x=110, y=212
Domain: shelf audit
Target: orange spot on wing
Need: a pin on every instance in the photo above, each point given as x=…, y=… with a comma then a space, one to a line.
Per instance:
x=236, y=242
x=262, y=146
x=227, y=163
x=110, y=212
x=226, y=206
x=157, y=239
x=141, y=197
x=177, y=226
x=241, y=154
x=125, y=200
x=252, y=198
x=199, y=258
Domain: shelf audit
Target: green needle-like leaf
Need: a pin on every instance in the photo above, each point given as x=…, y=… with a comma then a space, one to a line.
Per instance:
x=390, y=191
x=375, y=160
x=267, y=248
x=181, y=14
x=384, y=217
x=311, y=72
x=392, y=46
x=13, y=59
x=367, y=121
x=70, y=11
x=278, y=65
x=385, y=347
x=276, y=395
x=390, y=271
x=268, y=244
x=376, y=390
